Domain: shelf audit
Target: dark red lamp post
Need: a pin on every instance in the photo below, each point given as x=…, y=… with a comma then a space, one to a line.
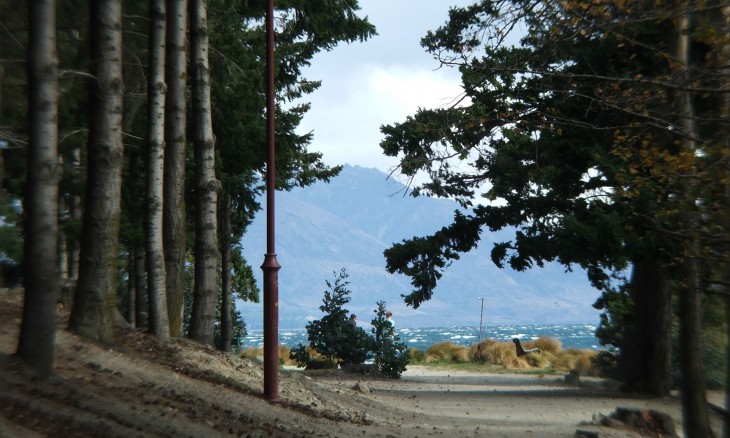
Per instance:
x=271, y=266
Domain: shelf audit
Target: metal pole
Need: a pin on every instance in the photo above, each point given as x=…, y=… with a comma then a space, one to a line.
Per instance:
x=481, y=315
x=271, y=266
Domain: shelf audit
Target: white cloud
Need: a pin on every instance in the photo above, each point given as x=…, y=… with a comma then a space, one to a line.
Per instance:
x=380, y=81
x=346, y=117
x=403, y=91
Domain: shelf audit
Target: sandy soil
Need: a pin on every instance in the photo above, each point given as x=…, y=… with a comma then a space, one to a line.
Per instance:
x=141, y=388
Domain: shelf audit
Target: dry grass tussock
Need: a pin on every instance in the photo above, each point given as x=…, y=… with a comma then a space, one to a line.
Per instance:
x=447, y=352
x=489, y=351
x=284, y=350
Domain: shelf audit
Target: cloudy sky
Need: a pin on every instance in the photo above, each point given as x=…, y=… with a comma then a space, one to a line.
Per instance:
x=380, y=81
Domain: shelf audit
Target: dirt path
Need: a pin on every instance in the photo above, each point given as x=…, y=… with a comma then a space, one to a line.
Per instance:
x=140, y=388
x=507, y=405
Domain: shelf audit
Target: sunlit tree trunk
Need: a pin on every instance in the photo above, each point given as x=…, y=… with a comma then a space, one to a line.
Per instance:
x=94, y=310
x=158, y=321
x=174, y=217
x=41, y=275
x=202, y=319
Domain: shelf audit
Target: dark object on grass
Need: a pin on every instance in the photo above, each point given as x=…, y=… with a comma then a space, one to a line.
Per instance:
x=521, y=351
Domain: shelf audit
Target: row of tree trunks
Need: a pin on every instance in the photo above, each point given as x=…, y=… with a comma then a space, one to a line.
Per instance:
x=159, y=298
x=159, y=304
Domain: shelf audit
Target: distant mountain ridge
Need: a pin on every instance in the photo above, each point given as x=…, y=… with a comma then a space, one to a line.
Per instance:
x=349, y=222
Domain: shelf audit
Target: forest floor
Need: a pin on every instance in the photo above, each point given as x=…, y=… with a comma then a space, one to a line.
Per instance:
x=142, y=388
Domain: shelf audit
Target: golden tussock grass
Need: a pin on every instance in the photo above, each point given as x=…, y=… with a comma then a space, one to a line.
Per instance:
x=416, y=355
x=284, y=351
x=493, y=352
x=543, y=359
x=518, y=363
x=448, y=352
x=575, y=359
x=252, y=352
x=489, y=351
x=544, y=344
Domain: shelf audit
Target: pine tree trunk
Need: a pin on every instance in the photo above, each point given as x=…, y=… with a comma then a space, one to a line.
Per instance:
x=226, y=316
x=75, y=215
x=724, y=23
x=156, y=283
x=94, y=309
x=726, y=418
x=142, y=307
x=174, y=217
x=202, y=320
x=62, y=242
x=131, y=290
x=646, y=359
x=695, y=415
x=696, y=421
x=41, y=276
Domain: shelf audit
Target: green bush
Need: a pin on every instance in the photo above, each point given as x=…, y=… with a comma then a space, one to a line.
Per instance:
x=300, y=355
x=606, y=364
x=332, y=336
x=391, y=355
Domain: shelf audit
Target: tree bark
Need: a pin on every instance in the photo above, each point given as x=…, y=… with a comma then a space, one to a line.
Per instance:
x=94, y=309
x=225, y=241
x=174, y=217
x=202, y=321
x=131, y=290
x=158, y=321
x=75, y=215
x=62, y=246
x=646, y=359
x=41, y=276
x=696, y=421
x=142, y=307
x=724, y=18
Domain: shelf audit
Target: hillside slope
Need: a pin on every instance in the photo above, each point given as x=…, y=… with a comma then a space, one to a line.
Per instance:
x=141, y=388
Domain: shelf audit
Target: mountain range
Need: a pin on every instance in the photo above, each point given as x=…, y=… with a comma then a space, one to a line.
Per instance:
x=349, y=222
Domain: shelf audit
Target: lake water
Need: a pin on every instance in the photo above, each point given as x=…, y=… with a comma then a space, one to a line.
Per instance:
x=580, y=336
